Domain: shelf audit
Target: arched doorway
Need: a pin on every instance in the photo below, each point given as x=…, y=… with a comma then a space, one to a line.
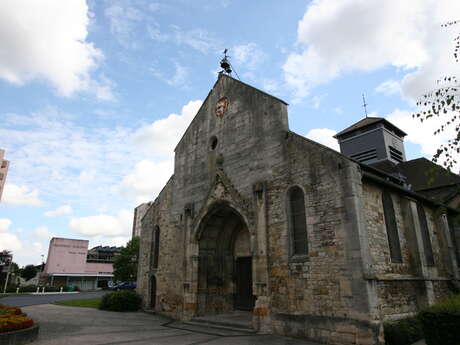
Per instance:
x=225, y=263
x=153, y=292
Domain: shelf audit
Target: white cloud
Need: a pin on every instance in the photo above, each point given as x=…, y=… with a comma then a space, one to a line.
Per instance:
x=247, y=55
x=161, y=137
x=317, y=100
x=198, y=39
x=337, y=110
x=270, y=85
x=123, y=20
x=9, y=242
x=64, y=209
x=147, y=180
x=421, y=133
x=178, y=79
x=21, y=195
x=4, y=224
x=90, y=171
x=324, y=136
x=94, y=159
x=47, y=40
x=103, y=225
x=340, y=36
x=42, y=233
x=389, y=87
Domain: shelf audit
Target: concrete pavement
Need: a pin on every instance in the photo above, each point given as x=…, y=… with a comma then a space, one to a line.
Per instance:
x=77, y=326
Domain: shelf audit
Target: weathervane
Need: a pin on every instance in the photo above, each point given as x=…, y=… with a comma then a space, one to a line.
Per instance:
x=225, y=64
x=364, y=105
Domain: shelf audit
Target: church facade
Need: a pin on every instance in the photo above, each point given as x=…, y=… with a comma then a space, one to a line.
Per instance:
x=309, y=241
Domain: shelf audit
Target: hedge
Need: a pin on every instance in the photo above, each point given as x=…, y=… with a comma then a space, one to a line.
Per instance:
x=403, y=332
x=441, y=322
x=125, y=300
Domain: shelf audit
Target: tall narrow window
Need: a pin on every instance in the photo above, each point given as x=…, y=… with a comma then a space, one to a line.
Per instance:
x=156, y=247
x=425, y=235
x=298, y=222
x=452, y=229
x=392, y=228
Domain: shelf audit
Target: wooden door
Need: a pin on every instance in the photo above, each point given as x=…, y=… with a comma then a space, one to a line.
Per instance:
x=244, y=299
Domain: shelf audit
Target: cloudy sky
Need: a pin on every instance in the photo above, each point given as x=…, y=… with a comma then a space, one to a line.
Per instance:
x=94, y=95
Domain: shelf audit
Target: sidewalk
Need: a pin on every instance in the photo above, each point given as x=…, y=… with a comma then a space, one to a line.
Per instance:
x=87, y=326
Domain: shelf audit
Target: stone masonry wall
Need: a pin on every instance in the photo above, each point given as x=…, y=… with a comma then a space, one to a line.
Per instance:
x=404, y=288
x=317, y=296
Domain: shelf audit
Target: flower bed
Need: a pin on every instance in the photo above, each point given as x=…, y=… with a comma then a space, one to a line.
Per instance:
x=12, y=319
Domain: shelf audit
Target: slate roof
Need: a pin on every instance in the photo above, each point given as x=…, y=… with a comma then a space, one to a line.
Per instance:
x=423, y=174
x=367, y=121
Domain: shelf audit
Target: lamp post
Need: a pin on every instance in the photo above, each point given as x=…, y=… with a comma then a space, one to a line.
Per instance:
x=8, y=262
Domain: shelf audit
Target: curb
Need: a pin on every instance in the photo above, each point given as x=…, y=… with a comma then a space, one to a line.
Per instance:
x=21, y=336
x=54, y=293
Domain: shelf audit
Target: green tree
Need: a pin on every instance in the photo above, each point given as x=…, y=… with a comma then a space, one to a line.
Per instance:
x=125, y=264
x=14, y=267
x=28, y=272
x=444, y=102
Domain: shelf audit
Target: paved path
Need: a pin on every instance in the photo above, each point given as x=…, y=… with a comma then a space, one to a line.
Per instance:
x=77, y=326
x=24, y=300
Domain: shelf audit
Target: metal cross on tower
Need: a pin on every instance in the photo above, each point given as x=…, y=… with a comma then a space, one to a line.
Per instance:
x=364, y=105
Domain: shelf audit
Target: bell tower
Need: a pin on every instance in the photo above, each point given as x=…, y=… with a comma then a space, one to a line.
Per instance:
x=373, y=140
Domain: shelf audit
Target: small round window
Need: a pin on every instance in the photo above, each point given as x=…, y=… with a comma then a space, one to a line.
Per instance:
x=213, y=143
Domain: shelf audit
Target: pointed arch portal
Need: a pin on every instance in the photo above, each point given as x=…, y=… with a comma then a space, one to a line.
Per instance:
x=225, y=263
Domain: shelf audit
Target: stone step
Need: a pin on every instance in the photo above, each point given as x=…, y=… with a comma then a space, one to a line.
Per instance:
x=222, y=324
x=200, y=327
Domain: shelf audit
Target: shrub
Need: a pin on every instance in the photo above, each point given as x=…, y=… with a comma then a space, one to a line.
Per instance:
x=403, y=332
x=441, y=322
x=121, y=301
x=28, y=288
x=11, y=289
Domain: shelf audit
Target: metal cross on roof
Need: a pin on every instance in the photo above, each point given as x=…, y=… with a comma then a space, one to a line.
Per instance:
x=364, y=105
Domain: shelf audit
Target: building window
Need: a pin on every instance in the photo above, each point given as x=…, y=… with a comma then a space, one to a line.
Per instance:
x=425, y=235
x=298, y=223
x=156, y=247
x=392, y=228
x=452, y=230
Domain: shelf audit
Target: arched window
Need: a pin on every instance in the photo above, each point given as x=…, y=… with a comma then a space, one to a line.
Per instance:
x=425, y=235
x=156, y=247
x=298, y=223
x=392, y=228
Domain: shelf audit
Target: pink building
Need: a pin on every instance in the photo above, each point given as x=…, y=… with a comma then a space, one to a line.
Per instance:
x=4, y=164
x=68, y=263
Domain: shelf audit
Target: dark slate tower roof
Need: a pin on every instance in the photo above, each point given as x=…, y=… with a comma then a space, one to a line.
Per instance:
x=368, y=121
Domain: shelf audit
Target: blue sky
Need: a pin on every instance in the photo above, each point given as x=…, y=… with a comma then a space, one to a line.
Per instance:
x=95, y=94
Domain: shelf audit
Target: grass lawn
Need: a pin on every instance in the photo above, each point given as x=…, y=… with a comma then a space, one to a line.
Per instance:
x=85, y=303
x=13, y=294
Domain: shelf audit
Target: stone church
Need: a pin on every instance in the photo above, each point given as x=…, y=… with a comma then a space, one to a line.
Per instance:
x=308, y=241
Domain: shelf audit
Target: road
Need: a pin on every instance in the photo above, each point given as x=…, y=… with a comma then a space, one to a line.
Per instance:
x=25, y=300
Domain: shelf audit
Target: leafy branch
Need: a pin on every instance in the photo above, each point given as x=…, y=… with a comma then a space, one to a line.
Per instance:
x=444, y=102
